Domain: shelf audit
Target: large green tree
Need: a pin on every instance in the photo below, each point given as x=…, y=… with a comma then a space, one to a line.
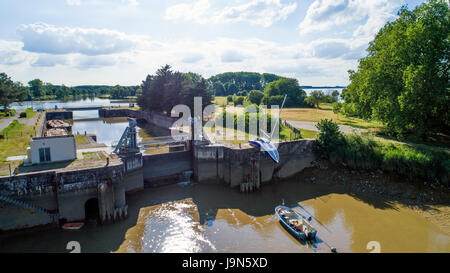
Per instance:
x=284, y=86
x=161, y=92
x=37, y=88
x=10, y=91
x=404, y=80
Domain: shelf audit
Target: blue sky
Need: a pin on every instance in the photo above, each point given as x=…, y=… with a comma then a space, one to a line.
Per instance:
x=110, y=42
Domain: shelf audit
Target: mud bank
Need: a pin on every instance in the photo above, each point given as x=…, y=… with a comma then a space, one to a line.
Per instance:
x=429, y=199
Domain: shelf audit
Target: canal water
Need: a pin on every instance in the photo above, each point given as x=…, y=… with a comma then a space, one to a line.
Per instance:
x=85, y=102
x=214, y=218
x=107, y=130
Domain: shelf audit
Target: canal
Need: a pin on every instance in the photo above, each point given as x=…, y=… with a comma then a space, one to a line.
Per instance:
x=214, y=218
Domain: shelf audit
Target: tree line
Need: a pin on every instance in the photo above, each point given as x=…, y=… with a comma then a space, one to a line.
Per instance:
x=231, y=83
x=11, y=91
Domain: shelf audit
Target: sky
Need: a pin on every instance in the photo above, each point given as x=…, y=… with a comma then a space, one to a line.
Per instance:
x=80, y=42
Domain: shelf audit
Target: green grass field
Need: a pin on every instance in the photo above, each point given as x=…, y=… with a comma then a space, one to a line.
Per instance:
x=15, y=142
x=316, y=115
x=81, y=139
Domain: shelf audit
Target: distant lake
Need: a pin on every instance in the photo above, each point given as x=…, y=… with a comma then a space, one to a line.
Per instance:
x=50, y=104
x=324, y=90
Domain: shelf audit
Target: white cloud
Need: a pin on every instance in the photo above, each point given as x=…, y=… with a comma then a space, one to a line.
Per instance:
x=87, y=62
x=256, y=12
x=338, y=48
x=47, y=60
x=232, y=56
x=192, y=58
x=44, y=38
x=80, y=2
x=364, y=18
x=74, y=2
x=195, y=11
x=132, y=2
x=310, y=61
x=11, y=53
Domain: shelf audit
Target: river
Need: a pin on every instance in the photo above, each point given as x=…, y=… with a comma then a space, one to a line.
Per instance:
x=214, y=218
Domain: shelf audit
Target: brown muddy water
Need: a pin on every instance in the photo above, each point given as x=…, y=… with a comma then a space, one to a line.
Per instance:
x=214, y=218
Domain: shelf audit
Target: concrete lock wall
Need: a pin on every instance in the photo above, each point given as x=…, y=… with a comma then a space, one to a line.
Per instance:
x=153, y=118
x=168, y=165
x=236, y=166
x=62, y=192
x=59, y=115
x=208, y=163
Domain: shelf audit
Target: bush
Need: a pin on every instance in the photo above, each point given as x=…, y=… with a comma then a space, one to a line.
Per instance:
x=337, y=106
x=23, y=115
x=255, y=97
x=239, y=100
x=229, y=98
x=349, y=109
x=329, y=137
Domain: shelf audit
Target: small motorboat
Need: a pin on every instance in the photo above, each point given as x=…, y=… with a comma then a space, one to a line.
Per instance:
x=73, y=226
x=295, y=223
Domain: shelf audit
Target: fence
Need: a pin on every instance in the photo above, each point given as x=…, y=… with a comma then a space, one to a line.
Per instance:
x=297, y=132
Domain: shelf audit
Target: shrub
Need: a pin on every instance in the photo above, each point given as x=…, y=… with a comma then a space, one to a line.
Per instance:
x=364, y=153
x=239, y=100
x=329, y=137
x=23, y=115
x=349, y=109
x=337, y=106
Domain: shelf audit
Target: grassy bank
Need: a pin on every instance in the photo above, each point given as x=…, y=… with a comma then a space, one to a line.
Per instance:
x=28, y=113
x=14, y=140
x=366, y=152
x=360, y=152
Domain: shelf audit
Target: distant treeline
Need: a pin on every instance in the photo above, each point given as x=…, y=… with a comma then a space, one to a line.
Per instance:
x=231, y=83
x=38, y=90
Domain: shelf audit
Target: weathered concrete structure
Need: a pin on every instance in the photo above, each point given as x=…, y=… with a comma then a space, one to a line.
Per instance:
x=42, y=198
x=166, y=168
x=153, y=118
x=49, y=115
x=214, y=163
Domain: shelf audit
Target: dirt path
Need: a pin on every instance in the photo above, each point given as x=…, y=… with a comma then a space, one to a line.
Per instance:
x=309, y=125
x=4, y=122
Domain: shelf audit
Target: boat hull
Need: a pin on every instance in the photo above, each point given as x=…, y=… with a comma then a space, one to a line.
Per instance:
x=310, y=235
